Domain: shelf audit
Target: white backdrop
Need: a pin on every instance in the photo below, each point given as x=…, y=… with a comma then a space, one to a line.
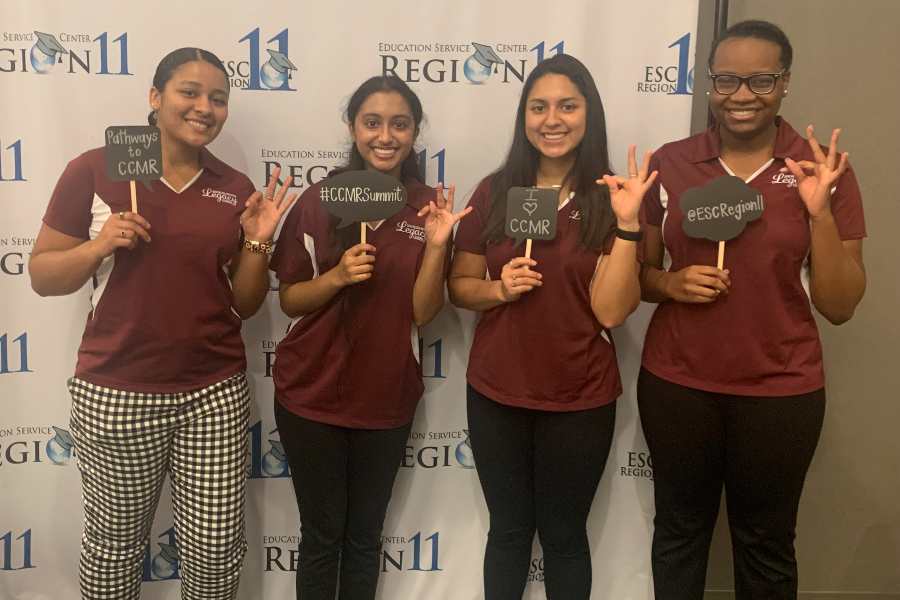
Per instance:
x=640, y=54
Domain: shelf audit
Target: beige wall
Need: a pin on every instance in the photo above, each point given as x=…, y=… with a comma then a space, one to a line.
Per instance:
x=846, y=74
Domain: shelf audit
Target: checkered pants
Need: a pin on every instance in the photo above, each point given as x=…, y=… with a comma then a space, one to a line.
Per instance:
x=126, y=443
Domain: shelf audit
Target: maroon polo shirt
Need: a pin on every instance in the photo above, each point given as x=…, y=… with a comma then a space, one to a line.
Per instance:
x=353, y=363
x=545, y=351
x=161, y=315
x=761, y=338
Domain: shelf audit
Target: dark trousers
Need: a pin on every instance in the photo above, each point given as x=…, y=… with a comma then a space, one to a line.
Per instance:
x=759, y=448
x=343, y=480
x=538, y=470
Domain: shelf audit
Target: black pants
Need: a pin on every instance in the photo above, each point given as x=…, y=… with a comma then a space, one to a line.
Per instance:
x=538, y=470
x=759, y=448
x=343, y=480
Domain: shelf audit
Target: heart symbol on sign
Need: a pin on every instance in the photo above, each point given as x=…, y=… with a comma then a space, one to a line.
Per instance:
x=529, y=207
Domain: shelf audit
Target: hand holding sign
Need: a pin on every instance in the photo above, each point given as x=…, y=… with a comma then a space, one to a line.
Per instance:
x=121, y=230
x=263, y=211
x=440, y=216
x=355, y=266
x=133, y=153
x=625, y=195
x=697, y=284
x=517, y=278
x=361, y=196
x=720, y=210
x=816, y=178
x=531, y=214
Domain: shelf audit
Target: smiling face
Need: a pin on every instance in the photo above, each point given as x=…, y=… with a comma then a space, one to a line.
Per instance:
x=744, y=114
x=193, y=105
x=384, y=131
x=555, y=116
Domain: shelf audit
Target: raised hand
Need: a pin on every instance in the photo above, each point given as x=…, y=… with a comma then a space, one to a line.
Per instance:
x=626, y=194
x=262, y=212
x=816, y=178
x=440, y=219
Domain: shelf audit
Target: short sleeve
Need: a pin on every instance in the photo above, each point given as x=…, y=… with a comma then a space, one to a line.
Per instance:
x=652, y=210
x=471, y=229
x=846, y=206
x=292, y=261
x=69, y=210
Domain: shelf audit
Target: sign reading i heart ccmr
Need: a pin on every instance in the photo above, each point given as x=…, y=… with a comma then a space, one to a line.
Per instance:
x=531, y=213
x=720, y=210
x=360, y=196
x=133, y=153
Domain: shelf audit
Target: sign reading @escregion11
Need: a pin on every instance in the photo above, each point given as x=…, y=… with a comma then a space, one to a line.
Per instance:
x=362, y=196
x=133, y=153
x=720, y=210
x=531, y=214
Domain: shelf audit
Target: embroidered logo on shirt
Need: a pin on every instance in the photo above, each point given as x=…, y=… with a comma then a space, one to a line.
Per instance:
x=575, y=215
x=226, y=197
x=787, y=179
x=415, y=232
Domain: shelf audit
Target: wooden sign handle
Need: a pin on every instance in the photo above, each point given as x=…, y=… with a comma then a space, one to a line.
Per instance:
x=133, y=197
x=528, y=248
x=362, y=232
x=721, y=261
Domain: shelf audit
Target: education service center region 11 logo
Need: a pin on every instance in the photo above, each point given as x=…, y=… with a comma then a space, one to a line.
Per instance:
x=27, y=444
x=41, y=52
x=476, y=62
x=263, y=71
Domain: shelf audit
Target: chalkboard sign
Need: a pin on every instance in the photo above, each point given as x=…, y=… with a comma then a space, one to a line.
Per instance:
x=531, y=213
x=358, y=196
x=721, y=209
x=133, y=153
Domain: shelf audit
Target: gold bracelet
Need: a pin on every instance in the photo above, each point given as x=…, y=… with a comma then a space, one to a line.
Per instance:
x=259, y=247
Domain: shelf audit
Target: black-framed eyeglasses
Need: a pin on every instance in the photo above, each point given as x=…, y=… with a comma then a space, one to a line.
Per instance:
x=758, y=83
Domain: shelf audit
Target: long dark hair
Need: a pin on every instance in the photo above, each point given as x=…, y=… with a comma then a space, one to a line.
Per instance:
x=349, y=236
x=591, y=161
x=174, y=59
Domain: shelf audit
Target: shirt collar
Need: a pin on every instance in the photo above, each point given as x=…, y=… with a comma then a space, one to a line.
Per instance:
x=210, y=163
x=787, y=143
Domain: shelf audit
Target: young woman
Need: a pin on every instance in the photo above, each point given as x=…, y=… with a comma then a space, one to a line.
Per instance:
x=159, y=387
x=731, y=391
x=347, y=378
x=542, y=373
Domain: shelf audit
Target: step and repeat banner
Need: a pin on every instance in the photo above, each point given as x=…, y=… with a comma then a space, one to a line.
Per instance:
x=69, y=70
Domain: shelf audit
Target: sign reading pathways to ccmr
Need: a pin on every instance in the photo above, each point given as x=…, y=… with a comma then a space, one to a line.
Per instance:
x=720, y=210
x=362, y=196
x=531, y=214
x=133, y=153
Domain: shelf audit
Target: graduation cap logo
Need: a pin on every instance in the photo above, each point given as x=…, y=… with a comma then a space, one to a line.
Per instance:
x=59, y=447
x=44, y=52
x=274, y=462
x=165, y=564
x=464, y=455
x=481, y=64
x=276, y=72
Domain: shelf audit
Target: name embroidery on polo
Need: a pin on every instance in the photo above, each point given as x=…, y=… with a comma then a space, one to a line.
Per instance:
x=415, y=232
x=787, y=179
x=221, y=197
x=575, y=215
